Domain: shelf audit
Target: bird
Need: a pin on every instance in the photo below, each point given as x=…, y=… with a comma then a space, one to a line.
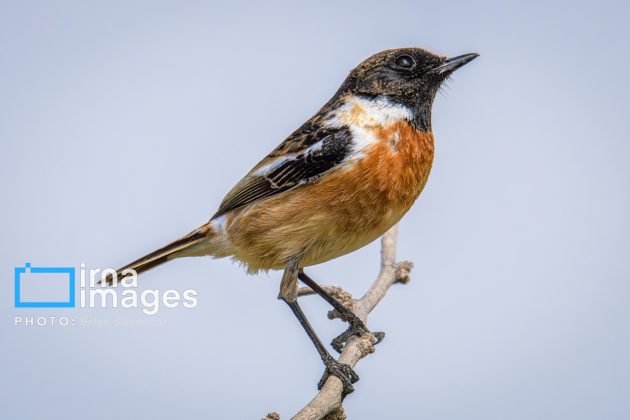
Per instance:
x=334, y=185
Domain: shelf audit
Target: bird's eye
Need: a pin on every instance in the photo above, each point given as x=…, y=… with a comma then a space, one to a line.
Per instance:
x=404, y=61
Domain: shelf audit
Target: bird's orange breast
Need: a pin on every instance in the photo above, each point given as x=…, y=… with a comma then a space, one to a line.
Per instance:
x=344, y=210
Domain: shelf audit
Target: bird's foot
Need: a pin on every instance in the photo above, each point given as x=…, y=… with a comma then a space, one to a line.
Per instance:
x=356, y=327
x=344, y=372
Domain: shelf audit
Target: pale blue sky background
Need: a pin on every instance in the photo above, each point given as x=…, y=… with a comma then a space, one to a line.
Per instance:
x=122, y=124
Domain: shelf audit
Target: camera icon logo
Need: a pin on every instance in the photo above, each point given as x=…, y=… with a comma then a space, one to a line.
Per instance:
x=44, y=287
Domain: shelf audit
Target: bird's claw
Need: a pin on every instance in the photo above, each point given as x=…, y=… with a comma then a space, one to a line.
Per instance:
x=344, y=372
x=356, y=327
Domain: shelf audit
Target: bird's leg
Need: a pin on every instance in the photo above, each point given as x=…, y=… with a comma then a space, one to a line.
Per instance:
x=288, y=293
x=356, y=327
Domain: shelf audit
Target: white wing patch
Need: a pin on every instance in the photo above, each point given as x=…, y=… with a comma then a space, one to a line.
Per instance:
x=362, y=116
x=263, y=170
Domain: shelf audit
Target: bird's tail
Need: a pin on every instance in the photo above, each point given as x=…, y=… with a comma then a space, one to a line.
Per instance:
x=161, y=255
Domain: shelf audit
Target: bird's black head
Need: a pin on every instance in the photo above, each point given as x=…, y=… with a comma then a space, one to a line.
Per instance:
x=411, y=76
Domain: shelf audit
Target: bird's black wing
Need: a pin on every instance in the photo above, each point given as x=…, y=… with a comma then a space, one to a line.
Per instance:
x=302, y=158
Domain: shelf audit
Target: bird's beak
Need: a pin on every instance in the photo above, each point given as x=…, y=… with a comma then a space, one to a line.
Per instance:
x=452, y=64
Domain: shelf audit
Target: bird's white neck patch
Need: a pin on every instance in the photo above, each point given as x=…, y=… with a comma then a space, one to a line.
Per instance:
x=362, y=116
x=369, y=113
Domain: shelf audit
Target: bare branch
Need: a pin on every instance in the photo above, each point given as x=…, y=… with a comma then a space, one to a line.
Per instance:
x=327, y=403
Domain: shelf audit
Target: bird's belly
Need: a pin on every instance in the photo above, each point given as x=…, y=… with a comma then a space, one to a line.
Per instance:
x=266, y=238
x=343, y=241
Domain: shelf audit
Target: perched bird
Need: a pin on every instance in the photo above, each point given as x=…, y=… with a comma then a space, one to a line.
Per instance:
x=334, y=185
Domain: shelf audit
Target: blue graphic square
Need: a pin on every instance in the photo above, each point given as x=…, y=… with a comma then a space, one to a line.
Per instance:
x=44, y=270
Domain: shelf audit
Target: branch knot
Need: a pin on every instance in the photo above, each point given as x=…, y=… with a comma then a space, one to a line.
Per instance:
x=403, y=270
x=365, y=344
x=345, y=298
